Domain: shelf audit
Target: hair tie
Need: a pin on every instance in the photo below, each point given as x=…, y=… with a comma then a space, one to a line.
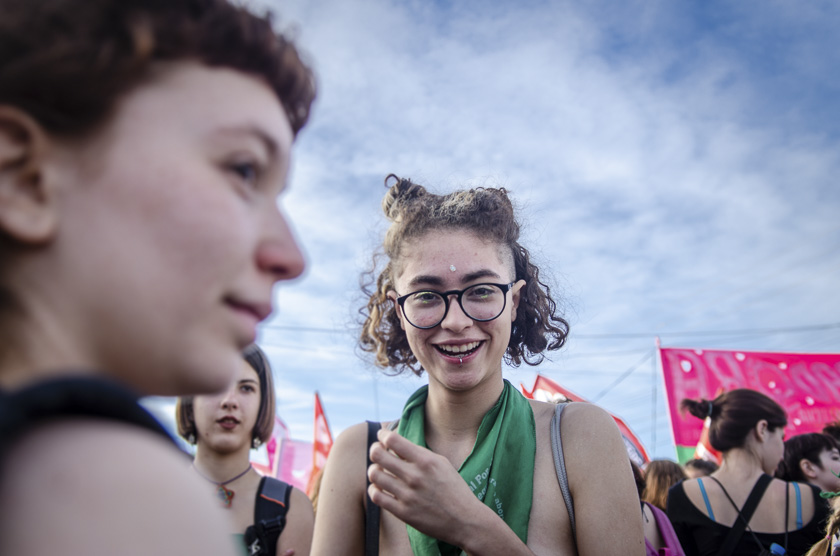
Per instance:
x=711, y=407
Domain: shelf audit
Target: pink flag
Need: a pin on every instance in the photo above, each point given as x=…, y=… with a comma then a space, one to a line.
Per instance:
x=266, y=459
x=807, y=386
x=295, y=463
x=549, y=391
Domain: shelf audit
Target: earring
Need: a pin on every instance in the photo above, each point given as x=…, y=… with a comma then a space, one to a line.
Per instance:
x=256, y=443
x=191, y=438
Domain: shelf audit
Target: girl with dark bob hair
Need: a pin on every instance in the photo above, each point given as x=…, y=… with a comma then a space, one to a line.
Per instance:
x=812, y=458
x=224, y=428
x=469, y=465
x=143, y=144
x=711, y=515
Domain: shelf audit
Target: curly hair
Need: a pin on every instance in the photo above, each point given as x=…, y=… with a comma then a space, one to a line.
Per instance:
x=488, y=212
x=832, y=528
x=67, y=63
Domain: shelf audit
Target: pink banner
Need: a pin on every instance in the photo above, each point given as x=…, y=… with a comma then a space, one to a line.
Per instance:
x=265, y=458
x=295, y=463
x=806, y=385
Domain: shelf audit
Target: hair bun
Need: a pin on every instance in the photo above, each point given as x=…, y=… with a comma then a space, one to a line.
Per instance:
x=699, y=408
x=399, y=195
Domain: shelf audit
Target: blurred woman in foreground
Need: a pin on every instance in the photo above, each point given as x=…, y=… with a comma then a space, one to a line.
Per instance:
x=143, y=144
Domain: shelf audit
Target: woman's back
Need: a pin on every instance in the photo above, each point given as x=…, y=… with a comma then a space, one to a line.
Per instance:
x=703, y=527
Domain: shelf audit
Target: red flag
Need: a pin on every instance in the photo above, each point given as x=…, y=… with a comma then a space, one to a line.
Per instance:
x=549, y=391
x=322, y=444
x=704, y=448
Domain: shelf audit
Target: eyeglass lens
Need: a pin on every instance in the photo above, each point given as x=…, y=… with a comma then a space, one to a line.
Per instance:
x=481, y=302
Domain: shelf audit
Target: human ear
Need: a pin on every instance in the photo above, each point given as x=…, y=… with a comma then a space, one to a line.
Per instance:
x=761, y=430
x=392, y=295
x=27, y=202
x=516, y=294
x=807, y=468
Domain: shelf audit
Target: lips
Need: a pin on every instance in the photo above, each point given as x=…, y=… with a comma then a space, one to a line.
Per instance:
x=249, y=315
x=228, y=422
x=460, y=351
x=259, y=311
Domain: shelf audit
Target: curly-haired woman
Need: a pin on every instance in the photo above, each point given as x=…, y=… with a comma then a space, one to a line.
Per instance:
x=469, y=465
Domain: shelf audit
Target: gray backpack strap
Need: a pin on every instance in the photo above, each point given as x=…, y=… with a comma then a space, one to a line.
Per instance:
x=560, y=465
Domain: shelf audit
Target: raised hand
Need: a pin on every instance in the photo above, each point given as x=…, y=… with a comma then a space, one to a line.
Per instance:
x=422, y=489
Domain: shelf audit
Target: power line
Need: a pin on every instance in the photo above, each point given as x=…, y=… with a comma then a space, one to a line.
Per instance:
x=751, y=331
x=747, y=331
x=623, y=375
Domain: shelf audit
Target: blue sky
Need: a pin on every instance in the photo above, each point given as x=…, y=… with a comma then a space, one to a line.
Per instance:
x=674, y=164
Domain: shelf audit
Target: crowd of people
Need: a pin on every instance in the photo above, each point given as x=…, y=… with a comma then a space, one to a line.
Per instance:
x=143, y=148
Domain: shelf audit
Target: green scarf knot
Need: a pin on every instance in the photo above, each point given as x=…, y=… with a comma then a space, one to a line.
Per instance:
x=499, y=469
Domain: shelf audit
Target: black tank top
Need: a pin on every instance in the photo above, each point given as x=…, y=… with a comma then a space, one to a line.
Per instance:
x=23, y=409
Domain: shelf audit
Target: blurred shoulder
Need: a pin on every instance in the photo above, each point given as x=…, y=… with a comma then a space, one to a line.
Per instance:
x=106, y=487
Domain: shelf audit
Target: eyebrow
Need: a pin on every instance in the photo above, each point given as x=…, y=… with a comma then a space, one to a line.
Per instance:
x=430, y=280
x=254, y=131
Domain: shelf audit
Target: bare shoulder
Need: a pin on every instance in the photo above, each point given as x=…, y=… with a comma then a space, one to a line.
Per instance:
x=299, y=502
x=341, y=496
x=297, y=535
x=598, y=469
x=543, y=412
x=582, y=419
x=106, y=487
x=350, y=443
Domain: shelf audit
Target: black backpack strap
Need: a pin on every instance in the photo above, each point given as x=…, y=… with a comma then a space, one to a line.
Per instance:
x=372, y=511
x=270, y=509
x=744, y=514
x=81, y=396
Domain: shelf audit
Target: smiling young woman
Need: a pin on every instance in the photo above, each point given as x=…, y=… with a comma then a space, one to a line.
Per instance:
x=469, y=465
x=143, y=144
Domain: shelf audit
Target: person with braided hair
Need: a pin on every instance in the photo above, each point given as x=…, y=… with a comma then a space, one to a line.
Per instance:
x=830, y=544
x=740, y=509
x=468, y=468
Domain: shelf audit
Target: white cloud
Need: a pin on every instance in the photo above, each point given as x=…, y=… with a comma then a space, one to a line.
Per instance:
x=670, y=176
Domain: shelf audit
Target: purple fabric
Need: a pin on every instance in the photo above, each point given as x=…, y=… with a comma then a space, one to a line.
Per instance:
x=669, y=537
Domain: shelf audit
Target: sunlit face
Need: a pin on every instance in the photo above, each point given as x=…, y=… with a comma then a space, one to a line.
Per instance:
x=225, y=422
x=171, y=235
x=827, y=471
x=459, y=353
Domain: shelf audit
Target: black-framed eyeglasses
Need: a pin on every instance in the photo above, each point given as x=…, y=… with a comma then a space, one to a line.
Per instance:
x=481, y=302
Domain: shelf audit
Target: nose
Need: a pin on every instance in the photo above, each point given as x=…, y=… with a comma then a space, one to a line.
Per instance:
x=279, y=254
x=229, y=401
x=456, y=319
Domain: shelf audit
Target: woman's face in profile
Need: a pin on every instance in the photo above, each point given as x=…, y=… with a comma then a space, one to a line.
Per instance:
x=171, y=237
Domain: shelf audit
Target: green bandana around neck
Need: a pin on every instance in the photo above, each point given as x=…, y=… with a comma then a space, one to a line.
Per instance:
x=499, y=470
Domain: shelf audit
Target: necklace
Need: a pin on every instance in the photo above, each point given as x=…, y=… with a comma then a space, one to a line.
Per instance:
x=225, y=494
